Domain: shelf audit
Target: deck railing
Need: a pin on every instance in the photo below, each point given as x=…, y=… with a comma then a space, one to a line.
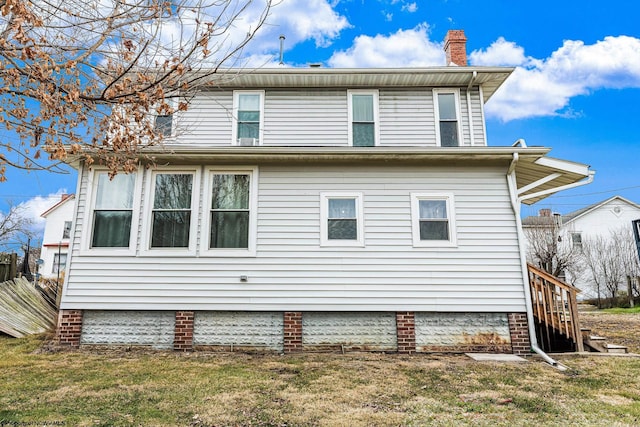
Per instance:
x=555, y=309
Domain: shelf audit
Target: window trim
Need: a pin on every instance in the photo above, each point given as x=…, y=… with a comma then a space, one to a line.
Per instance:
x=415, y=219
x=145, y=246
x=173, y=102
x=376, y=114
x=55, y=264
x=324, y=218
x=87, y=231
x=436, y=112
x=205, y=250
x=576, y=246
x=236, y=106
x=66, y=232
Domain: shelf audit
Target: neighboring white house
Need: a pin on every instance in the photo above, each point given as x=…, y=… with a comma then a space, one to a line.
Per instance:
x=55, y=242
x=313, y=208
x=599, y=220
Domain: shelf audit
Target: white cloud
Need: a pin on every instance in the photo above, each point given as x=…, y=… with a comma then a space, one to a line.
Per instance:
x=410, y=7
x=500, y=53
x=545, y=87
x=298, y=21
x=404, y=48
x=38, y=205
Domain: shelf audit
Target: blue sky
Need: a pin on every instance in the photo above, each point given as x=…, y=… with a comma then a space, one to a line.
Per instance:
x=575, y=89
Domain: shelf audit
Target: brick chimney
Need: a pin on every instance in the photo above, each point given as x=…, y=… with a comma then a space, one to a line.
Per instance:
x=545, y=213
x=455, y=46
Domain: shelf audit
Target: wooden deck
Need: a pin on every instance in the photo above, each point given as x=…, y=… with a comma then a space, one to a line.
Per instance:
x=555, y=311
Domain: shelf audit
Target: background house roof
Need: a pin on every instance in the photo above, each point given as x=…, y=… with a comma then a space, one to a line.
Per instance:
x=580, y=212
x=64, y=199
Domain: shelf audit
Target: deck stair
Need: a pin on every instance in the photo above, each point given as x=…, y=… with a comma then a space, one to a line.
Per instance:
x=555, y=312
x=600, y=344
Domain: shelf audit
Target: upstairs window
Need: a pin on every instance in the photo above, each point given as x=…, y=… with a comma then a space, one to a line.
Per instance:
x=342, y=221
x=171, y=214
x=447, y=107
x=66, y=231
x=363, y=118
x=576, y=241
x=164, y=124
x=113, y=210
x=248, y=113
x=433, y=220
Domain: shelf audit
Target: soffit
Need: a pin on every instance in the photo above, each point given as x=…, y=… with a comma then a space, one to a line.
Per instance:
x=533, y=168
x=490, y=78
x=530, y=170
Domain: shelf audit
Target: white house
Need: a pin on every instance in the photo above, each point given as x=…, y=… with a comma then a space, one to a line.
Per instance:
x=316, y=208
x=55, y=241
x=599, y=220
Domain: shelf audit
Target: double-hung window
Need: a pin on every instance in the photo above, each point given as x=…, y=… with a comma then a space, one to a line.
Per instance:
x=341, y=219
x=66, y=232
x=363, y=118
x=230, y=211
x=248, y=111
x=576, y=241
x=172, y=199
x=59, y=263
x=113, y=210
x=447, y=113
x=164, y=124
x=433, y=219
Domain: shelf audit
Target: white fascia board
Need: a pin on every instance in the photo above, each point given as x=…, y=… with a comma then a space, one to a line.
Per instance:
x=564, y=165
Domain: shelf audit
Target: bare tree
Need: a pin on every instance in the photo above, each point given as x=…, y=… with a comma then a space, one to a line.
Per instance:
x=551, y=249
x=625, y=248
x=611, y=261
x=14, y=226
x=83, y=77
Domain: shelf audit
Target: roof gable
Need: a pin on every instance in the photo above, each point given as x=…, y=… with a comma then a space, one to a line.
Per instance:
x=65, y=198
x=572, y=216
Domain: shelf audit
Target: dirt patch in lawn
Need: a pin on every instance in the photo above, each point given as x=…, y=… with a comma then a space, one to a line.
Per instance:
x=623, y=329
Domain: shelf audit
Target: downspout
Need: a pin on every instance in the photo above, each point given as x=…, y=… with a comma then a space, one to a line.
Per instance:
x=516, y=203
x=474, y=76
x=65, y=282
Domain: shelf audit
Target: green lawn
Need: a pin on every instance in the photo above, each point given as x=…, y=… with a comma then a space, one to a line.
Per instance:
x=117, y=387
x=634, y=310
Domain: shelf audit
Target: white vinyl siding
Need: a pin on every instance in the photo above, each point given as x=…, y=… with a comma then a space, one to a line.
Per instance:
x=208, y=121
x=306, y=118
x=478, y=120
x=316, y=117
x=292, y=271
x=406, y=118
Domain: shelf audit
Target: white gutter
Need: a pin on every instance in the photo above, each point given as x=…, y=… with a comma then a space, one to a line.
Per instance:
x=516, y=203
x=474, y=76
x=556, y=189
